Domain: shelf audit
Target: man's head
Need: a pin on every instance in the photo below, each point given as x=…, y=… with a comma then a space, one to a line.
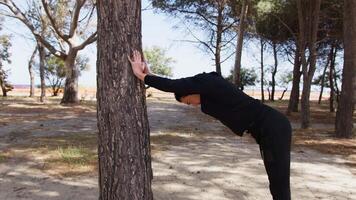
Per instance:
x=191, y=99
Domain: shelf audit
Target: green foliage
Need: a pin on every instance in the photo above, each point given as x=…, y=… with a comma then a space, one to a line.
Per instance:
x=5, y=54
x=158, y=62
x=285, y=79
x=55, y=71
x=276, y=20
x=248, y=77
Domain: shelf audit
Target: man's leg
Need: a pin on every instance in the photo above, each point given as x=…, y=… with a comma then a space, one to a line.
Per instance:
x=275, y=152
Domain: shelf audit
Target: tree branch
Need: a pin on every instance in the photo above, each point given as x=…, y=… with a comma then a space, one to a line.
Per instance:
x=74, y=23
x=18, y=14
x=53, y=22
x=88, y=41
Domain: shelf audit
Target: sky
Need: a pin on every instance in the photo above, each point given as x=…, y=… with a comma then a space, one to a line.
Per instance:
x=157, y=30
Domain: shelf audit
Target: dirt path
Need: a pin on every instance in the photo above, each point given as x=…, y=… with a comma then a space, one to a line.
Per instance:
x=194, y=157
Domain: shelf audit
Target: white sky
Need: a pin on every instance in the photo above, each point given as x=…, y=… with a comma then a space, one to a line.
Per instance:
x=157, y=30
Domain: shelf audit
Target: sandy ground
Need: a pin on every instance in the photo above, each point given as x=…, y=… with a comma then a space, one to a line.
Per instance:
x=194, y=158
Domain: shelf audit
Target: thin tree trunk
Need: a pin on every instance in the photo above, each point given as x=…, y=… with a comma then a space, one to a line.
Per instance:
x=218, y=40
x=2, y=83
x=331, y=80
x=284, y=91
x=344, y=114
x=240, y=33
x=42, y=54
x=323, y=76
x=312, y=22
x=124, y=146
x=294, y=95
x=32, y=73
x=274, y=71
x=262, y=70
x=70, y=94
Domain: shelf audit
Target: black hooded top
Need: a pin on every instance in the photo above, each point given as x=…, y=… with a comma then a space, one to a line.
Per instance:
x=218, y=97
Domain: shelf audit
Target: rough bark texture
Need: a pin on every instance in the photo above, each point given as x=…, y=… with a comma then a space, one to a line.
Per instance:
x=308, y=17
x=42, y=54
x=344, y=122
x=262, y=70
x=240, y=33
x=32, y=73
x=70, y=94
x=294, y=94
x=124, y=147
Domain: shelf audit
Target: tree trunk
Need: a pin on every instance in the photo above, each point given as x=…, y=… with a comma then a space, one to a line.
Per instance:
x=344, y=121
x=323, y=75
x=262, y=71
x=2, y=83
x=331, y=80
x=124, y=146
x=240, y=33
x=42, y=55
x=284, y=91
x=219, y=32
x=294, y=94
x=32, y=73
x=311, y=22
x=70, y=94
x=274, y=71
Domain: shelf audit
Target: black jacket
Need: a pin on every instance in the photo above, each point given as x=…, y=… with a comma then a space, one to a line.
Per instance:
x=219, y=98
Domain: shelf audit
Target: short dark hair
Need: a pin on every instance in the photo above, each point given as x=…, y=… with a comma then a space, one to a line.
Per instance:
x=179, y=96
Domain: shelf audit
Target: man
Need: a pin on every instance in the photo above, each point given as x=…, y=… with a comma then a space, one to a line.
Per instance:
x=239, y=112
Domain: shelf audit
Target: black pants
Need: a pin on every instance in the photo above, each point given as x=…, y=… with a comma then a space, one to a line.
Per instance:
x=274, y=138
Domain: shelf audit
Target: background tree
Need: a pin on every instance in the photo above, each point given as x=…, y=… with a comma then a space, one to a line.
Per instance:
x=55, y=71
x=248, y=77
x=31, y=64
x=308, y=17
x=158, y=62
x=240, y=34
x=285, y=80
x=344, y=114
x=55, y=74
x=124, y=146
x=5, y=45
x=71, y=26
x=213, y=19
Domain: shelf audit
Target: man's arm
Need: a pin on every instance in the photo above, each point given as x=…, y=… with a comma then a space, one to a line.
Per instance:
x=187, y=85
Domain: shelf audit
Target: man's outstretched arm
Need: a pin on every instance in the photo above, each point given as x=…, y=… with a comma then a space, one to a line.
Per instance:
x=182, y=86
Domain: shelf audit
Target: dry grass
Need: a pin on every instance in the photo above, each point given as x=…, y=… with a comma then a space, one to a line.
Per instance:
x=73, y=155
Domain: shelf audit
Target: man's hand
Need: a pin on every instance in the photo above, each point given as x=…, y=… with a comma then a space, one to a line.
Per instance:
x=139, y=67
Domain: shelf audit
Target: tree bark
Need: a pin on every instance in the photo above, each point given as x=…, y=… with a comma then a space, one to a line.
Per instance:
x=42, y=54
x=262, y=71
x=274, y=71
x=70, y=94
x=309, y=27
x=240, y=33
x=124, y=146
x=32, y=73
x=344, y=114
x=294, y=94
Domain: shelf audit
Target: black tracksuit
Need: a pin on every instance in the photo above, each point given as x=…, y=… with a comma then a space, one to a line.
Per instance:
x=240, y=112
